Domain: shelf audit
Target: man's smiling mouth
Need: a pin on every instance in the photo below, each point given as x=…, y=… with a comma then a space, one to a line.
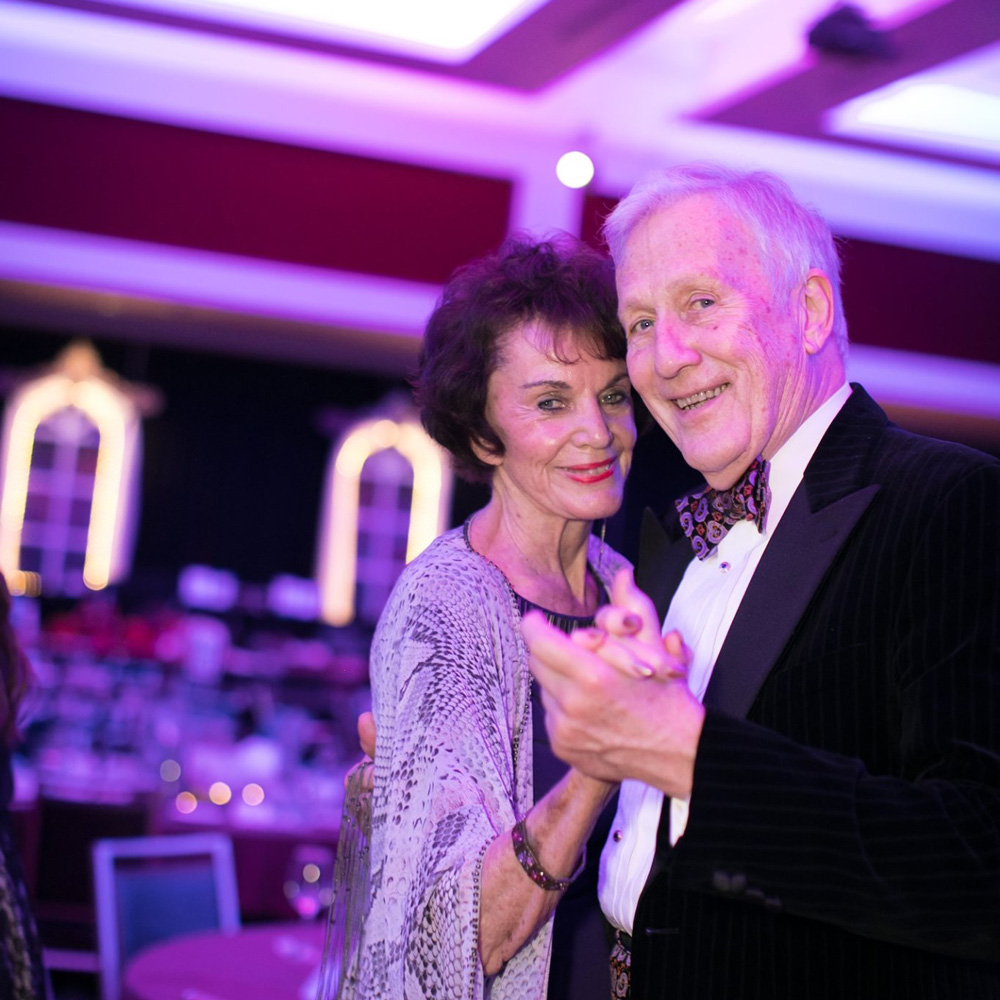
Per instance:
x=689, y=402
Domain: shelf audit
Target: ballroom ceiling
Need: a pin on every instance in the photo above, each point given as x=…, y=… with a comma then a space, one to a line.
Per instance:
x=885, y=114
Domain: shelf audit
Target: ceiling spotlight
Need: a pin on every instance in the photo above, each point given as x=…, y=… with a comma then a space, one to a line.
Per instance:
x=575, y=169
x=847, y=31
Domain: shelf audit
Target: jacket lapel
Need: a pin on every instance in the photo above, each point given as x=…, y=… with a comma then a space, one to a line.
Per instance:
x=830, y=500
x=827, y=505
x=793, y=564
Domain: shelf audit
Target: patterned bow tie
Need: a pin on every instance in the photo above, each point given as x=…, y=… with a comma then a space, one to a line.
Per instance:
x=707, y=516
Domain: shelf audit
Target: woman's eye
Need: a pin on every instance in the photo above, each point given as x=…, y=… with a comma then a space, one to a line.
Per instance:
x=614, y=398
x=550, y=404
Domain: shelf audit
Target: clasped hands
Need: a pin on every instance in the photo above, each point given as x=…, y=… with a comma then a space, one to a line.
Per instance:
x=616, y=698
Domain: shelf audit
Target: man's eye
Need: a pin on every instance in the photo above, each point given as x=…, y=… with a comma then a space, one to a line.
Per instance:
x=640, y=325
x=704, y=302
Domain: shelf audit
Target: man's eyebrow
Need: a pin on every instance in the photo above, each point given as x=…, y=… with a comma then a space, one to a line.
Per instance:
x=681, y=280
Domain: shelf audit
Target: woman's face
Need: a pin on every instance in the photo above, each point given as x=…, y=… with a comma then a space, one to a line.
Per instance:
x=566, y=426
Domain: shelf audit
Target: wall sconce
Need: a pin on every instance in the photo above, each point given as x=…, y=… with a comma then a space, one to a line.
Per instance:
x=429, y=506
x=76, y=380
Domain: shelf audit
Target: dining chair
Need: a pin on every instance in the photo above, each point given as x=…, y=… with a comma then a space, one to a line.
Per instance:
x=147, y=889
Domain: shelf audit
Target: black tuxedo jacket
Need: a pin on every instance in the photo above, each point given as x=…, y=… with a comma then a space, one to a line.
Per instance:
x=844, y=834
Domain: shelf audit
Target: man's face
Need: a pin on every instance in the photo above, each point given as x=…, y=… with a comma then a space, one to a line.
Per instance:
x=719, y=362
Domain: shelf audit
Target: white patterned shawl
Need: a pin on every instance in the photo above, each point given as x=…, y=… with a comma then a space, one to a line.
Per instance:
x=451, y=697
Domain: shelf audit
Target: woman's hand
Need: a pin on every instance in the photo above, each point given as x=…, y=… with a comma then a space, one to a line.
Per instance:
x=363, y=769
x=626, y=634
x=602, y=713
x=367, y=734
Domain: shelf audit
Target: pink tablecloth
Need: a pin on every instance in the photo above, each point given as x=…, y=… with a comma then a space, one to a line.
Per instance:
x=266, y=962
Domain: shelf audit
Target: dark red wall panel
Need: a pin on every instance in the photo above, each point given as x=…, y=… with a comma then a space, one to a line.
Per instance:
x=595, y=210
x=915, y=300
x=185, y=187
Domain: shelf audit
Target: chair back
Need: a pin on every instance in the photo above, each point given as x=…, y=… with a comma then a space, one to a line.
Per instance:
x=148, y=889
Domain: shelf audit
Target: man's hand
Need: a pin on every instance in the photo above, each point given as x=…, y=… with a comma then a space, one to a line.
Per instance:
x=619, y=706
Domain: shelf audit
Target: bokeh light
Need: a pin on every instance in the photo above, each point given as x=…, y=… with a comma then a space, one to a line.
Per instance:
x=170, y=770
x=186, y=802
x=575, y=169
x=220, y=793
x=253, y=794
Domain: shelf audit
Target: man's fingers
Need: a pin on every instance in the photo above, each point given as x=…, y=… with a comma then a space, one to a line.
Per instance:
x=553, y=654
x=675, y=646
x=617, y=621
x=626, y=660
x=558, y=660
x=590, y=639
x=553, y=647
x=630, y=659
x=630, y=599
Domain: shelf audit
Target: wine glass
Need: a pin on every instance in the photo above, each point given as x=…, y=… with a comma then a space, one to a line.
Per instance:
x=309, y=879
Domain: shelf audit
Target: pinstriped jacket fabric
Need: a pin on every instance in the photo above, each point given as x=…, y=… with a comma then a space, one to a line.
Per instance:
x=844, y=834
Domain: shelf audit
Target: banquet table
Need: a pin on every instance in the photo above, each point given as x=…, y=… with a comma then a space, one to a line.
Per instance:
x=260, y=962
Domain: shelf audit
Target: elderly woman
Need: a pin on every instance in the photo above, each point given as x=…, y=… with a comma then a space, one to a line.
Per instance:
x=477, y=830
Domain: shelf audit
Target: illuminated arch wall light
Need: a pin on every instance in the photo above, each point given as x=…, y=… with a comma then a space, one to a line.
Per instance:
x=429, y=506
x=77, y=382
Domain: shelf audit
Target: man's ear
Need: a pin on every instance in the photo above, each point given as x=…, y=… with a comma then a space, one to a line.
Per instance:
x=816, y=311
x=486, y=453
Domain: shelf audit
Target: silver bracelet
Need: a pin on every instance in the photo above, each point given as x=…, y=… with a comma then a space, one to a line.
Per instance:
x=529, y=862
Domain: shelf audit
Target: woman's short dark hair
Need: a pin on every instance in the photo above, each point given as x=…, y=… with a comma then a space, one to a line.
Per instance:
x=560, y=283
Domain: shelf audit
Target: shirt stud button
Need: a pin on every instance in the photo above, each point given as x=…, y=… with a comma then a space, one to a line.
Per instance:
x=724, y=567
x=618, y=836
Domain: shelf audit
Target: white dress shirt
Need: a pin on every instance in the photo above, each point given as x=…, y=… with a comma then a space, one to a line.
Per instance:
x=702, y=610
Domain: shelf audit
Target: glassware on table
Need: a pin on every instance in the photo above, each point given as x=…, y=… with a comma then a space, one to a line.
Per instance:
x=309, y=879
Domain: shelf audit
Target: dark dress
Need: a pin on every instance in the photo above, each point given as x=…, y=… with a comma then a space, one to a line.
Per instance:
x=580, y=937
x=21, y=974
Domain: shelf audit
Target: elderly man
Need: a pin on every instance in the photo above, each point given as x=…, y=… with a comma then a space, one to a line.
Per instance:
x=811, y=789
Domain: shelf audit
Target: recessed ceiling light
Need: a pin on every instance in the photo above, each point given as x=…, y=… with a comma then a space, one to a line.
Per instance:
x=954, y=108
x=442, y=30
x=720, y=10
x=575, y=169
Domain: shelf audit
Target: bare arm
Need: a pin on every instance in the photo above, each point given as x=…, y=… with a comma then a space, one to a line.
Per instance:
x=512, y=906
x=627, y=650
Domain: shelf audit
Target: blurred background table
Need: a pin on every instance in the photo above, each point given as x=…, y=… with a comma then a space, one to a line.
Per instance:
x=265, y=962
x=126, y=738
